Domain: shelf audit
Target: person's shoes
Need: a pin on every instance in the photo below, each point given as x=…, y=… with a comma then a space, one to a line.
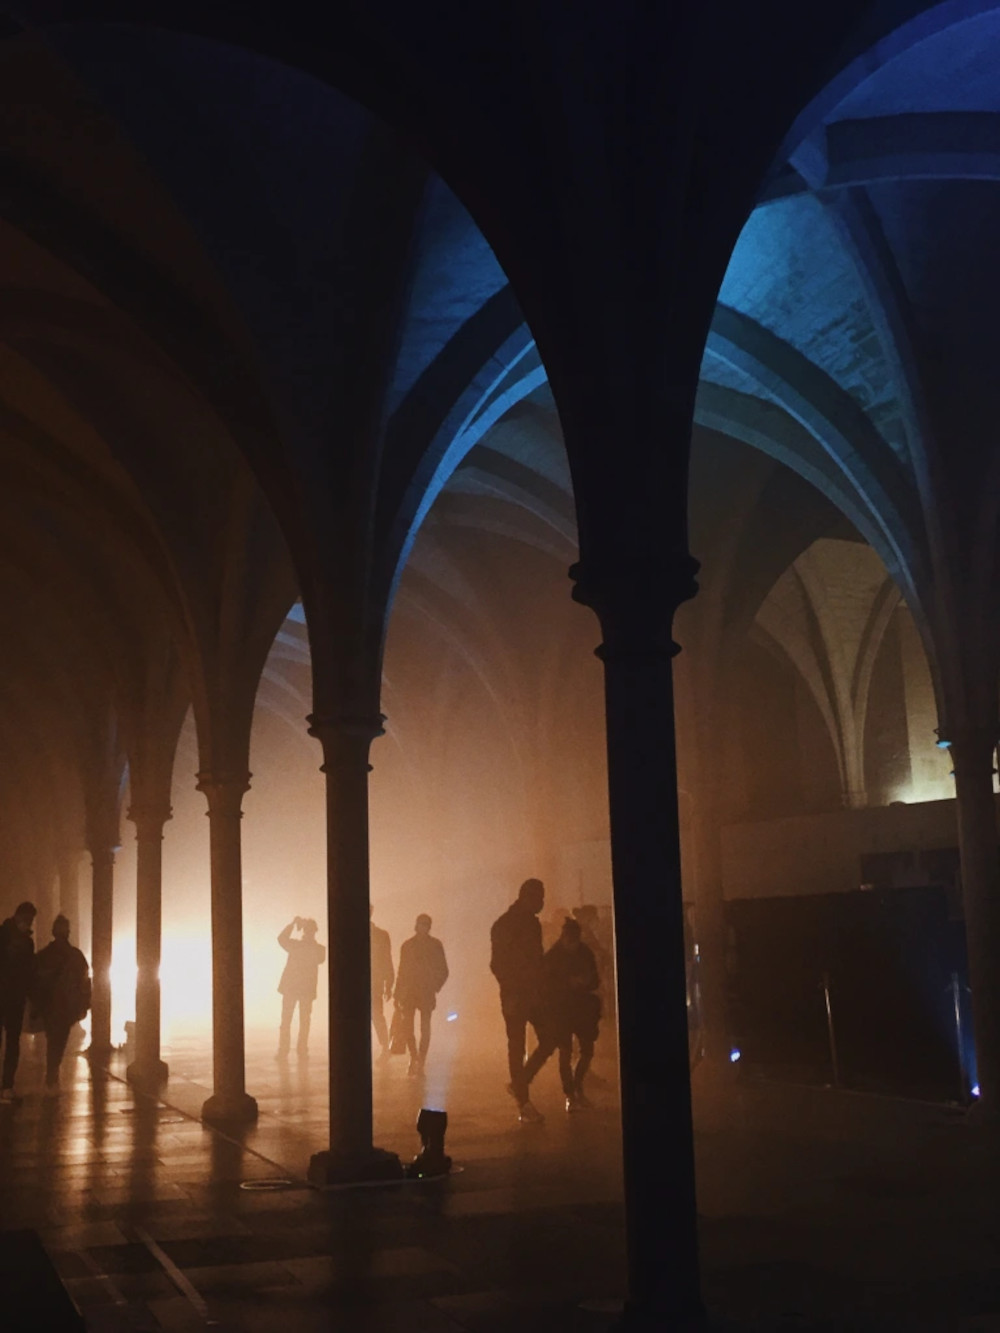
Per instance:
x=383, y=1056
x=530, y=1115
x=7, y=1096
x=416, y=1068
x=583, y=1103
x=572, y=1104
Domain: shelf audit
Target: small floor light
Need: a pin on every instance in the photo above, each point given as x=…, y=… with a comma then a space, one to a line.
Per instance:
x=432, y=1160
x=734, y=1056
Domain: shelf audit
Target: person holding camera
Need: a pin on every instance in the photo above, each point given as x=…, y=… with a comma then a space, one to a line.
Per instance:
x=298, y=981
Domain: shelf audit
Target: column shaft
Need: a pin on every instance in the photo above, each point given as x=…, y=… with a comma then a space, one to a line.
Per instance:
x=657, y=1129
x=972, y=754
x=103, y=860
x=147, y=1067
x=229, y=1100
x=351, y=1154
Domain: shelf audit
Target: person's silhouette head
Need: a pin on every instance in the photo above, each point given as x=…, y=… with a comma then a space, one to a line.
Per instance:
x=531, y=895
x=60, y=927
x=309, y=928
x=24, y=916
x=423, y=924
x=570, y=935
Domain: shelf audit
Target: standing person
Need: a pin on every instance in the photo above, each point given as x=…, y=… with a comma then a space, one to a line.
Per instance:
x=383, y=977
x=298, y=981
x=516, y=962
x=61, y=992
x=17, y=961
x=571, y=1008
x=423, y=970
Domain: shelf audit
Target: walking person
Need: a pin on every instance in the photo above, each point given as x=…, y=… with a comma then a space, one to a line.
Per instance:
x=383, y=977
x=571, y=1008
x=17, y=963
x=61, y=993
x=423, y=970
x=298, y=982
x=516, y=962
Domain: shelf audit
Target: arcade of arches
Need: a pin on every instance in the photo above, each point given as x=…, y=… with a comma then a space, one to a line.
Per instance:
x=324, y=356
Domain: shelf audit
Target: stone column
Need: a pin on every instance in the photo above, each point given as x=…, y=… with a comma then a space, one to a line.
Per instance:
x=351, y=1155
x=636, y=613
x=103, y=861
x=147, y=1069
x=972, y=752
x=230, y=1102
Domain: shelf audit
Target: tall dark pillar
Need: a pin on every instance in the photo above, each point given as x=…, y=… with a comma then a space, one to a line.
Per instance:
x=103, y=861
x=636, y=613
x=351, y=1155
x=972, y=752
x=147, y=1069
x=230, y=1102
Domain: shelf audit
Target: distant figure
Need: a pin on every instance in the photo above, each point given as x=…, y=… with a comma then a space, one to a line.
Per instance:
x=17, y=966
x=61, y=994
x=571, y=1008
x=383, y=977
x=516, y=962
x=298, y=981
x=422, y=972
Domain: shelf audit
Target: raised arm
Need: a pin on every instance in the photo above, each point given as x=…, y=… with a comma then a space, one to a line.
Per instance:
x=285, y=938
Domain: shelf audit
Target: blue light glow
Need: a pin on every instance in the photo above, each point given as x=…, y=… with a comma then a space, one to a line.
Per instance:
x=975, y=1089
x=943, y=745
x=452, y=1017
x=734, y=1057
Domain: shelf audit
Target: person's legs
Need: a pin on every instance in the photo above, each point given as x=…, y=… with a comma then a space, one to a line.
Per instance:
x=378, y=1020
x=582, y=1065
x=516, y=1021
x=305, y=1020
x=13, y=1017
x=547, y=1042
x=425, y=1033
x=56, y=1037
x=285, y=1033
x=566, y=1064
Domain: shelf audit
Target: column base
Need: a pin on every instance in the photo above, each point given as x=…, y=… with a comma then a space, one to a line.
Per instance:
x=329, y=1169
x=99, y=1055
x=228, y=1109
x=145, y=1075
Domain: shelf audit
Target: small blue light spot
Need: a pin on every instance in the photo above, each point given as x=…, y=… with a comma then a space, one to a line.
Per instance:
x=452, y=1017
x=734, y=1057
x=943, y=745
x=975, y=1089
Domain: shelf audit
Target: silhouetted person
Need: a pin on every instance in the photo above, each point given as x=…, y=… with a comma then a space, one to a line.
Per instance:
x=422, y=972
x=61, y=994
x=571, y=1008
x=383, y=977
x=516, y=962
x=298, y=981
x=17, y=965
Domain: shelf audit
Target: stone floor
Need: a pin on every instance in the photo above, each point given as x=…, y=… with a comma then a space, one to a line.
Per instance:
x=820, y=1211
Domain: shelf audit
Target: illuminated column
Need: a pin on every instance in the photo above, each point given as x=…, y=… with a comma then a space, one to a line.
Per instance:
x=351, y=1155
x=636, y=610
x=972, y=752
x=147, y=1069
x=103, y=861
x=230, y=1102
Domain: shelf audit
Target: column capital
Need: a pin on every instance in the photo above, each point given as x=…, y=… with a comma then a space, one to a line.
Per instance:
x=635, y=602
x=350, y=732
x=224, y=792
x=149, y=817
